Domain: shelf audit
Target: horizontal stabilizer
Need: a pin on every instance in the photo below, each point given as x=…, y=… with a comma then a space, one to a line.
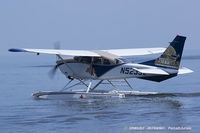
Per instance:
x=184, y=70
x=155, y=71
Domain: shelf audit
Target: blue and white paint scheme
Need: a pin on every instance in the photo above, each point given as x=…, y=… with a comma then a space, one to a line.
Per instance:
x=111, y=65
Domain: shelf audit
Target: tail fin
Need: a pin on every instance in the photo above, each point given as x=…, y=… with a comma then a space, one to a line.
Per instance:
x=171, y=57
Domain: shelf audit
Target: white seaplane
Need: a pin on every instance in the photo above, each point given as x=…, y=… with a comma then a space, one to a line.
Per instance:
x=110, y=65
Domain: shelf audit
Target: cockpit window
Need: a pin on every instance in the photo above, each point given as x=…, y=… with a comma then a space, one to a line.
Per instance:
x=97, y=60
x=77, y=58
x=86, y=60
x=106, y=62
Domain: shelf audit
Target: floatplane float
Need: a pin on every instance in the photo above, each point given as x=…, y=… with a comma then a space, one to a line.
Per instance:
x=85, y=66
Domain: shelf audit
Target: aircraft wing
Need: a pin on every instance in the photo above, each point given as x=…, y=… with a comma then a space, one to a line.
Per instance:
x=135, y=51
x=58, y=52
x=94, y=53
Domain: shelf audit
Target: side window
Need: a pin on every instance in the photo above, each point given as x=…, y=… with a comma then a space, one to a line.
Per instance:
x=97, y=60
x=86, y=60
x=119, y=61
x=77, y=59
x=106, y=62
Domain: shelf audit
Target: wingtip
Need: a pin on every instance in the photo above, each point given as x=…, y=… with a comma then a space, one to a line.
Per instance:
x=16, y=50
x=11, y=49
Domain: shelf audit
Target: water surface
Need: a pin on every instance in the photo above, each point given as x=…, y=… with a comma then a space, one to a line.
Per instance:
x=177, y=106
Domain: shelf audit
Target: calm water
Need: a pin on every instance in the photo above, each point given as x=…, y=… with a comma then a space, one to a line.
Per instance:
x=19, y=112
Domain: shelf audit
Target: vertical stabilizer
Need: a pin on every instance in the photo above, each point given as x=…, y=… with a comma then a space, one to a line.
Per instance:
x=171, y=57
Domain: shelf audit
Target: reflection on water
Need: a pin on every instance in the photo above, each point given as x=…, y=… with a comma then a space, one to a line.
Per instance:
x=119, y=109
x=159, y=110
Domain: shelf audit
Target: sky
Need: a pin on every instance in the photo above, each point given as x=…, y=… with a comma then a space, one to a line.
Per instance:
x=97, y=24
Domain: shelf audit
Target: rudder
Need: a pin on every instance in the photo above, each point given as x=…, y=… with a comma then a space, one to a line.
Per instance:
x=171, y=57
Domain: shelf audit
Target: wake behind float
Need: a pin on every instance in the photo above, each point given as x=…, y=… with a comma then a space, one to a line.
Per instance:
x=82, y=94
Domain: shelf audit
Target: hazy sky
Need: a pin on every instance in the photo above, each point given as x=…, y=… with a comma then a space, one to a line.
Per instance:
x=102, y=24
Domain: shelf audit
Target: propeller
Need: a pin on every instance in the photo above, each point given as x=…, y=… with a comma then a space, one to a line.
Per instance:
x=57, y=45
x=54, y=69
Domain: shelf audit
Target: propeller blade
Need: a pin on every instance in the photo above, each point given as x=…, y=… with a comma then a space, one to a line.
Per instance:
x=52, y=72
x=57, y=45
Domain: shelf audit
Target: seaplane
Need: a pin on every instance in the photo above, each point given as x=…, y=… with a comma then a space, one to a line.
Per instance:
x=108, y=66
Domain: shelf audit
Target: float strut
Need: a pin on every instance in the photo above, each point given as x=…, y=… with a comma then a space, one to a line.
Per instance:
x=88, y=89
x=96, y=85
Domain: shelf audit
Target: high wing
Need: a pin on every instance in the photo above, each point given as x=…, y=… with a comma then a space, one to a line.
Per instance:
x=135, y=51
x=93, y=53
x=57, y=52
